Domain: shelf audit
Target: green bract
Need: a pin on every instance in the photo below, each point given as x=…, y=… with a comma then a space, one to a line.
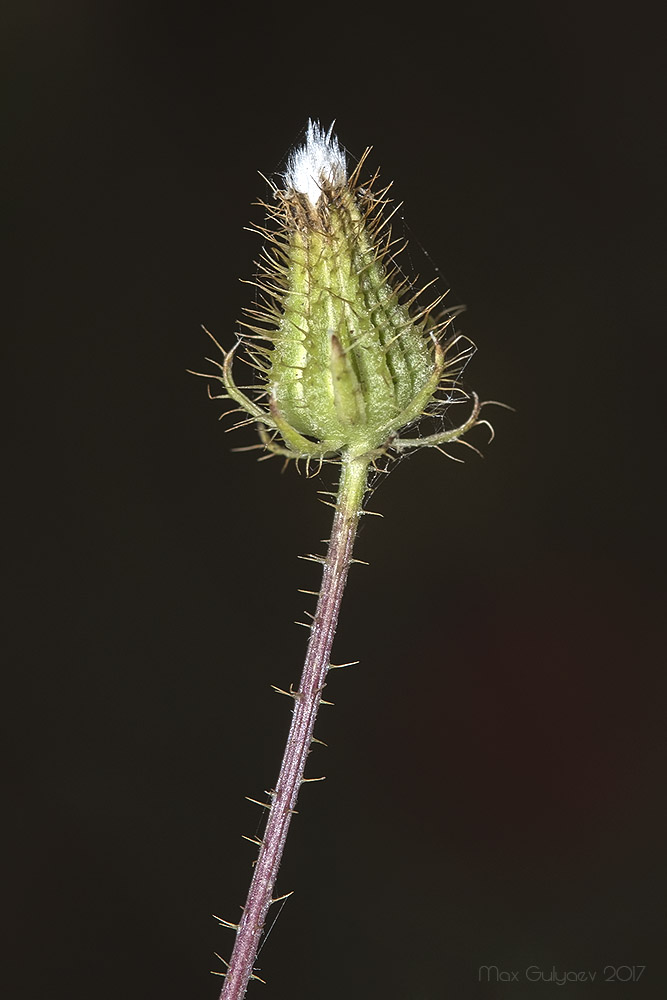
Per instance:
x=346, y=355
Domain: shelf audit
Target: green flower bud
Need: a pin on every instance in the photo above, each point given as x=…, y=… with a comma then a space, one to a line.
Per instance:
x=346, y=355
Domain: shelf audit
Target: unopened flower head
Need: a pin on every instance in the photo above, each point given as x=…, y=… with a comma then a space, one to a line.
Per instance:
x=347, y=353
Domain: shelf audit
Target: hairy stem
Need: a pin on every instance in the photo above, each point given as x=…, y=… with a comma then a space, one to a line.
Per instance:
x=351, y=491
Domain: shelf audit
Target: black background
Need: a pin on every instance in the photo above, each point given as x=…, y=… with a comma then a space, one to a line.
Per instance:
x=495, y=768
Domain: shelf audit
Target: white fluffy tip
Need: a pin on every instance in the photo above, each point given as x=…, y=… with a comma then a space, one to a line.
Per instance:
x=320, y=160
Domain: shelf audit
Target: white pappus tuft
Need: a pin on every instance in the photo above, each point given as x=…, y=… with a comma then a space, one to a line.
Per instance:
x=319, y=159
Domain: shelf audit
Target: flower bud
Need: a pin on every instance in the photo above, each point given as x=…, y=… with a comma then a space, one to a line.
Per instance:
x=347, y=357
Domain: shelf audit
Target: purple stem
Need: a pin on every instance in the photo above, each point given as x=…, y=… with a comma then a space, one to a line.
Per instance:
x=306, y=703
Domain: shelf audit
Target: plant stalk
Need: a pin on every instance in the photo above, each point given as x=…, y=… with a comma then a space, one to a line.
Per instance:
x=351, y=489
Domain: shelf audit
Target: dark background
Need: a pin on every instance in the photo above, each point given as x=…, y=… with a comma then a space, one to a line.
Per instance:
x=495, y=769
